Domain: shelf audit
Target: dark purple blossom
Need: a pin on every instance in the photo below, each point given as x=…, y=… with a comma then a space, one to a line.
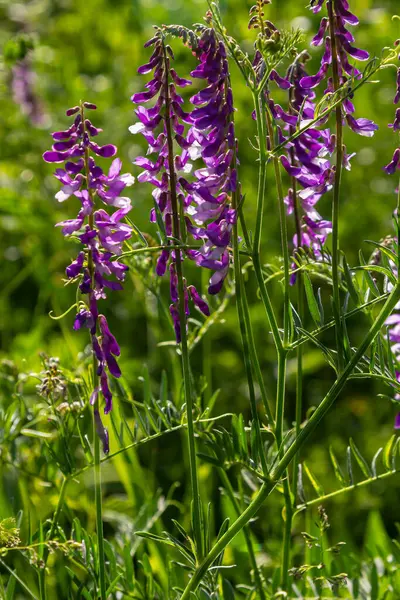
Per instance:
x=204, y=197
x=394, y=164
x=342, y=17
x=306, y=162
x=101, y=234
x=210, y=217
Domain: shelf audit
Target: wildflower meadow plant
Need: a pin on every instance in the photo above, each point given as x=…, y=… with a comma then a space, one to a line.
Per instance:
x=203, y=221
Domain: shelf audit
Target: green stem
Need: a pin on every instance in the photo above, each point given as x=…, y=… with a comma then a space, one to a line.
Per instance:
x=336, y=192
x=246, y=532
x=220, y=546
x=299, y=357
x=244, y=332
x=280, y=469
x=287, y=526
x=287, y=535
x=60, y=504
x=196, y=512
x=254, y=355
x=96, y=439
x=282, y=352
x=344, y=490
x=258, y=228
x=54, y=523
x=206, y=348
x=283, y=230
x=98, y=506
x=42, y=584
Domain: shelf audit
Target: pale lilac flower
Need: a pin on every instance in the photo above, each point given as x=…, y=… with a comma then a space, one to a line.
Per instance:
x=22, y=86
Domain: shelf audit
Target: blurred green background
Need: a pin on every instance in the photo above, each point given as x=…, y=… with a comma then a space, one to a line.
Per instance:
x=91, y=50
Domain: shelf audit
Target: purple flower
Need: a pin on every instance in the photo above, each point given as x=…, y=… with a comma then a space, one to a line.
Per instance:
x=342, y=17
x=209, y=215
x=205, y=195
x=394, y=164
x=397, y=421
x=22, y=86
x=363, y=127
x=306, y=161
x=397, y=96
x=101, y=234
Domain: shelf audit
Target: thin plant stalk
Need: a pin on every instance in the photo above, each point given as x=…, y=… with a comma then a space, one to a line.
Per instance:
x=299, y=353
x=282, y=350
x=256, y=249
x=206, y=354
x=246, y=532
x=336, y=192
x=283, y=231
x=99, y=517
x=196, y=503
x=254, y=356
x=244, y=335
x=96, y=439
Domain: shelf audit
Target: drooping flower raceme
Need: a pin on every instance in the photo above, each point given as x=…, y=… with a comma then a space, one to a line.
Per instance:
x=212, y=138
x=345, y=52
x=101, y=235
x=306, y=161
x=205, y=133
x=163, y=174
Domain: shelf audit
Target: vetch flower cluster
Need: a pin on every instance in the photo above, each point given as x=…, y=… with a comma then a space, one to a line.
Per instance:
x=168, y=194
x=212, y=138
x=338, y=39
x=101, y=234
x=306, y=160
x=201, y=205
x=394, y=164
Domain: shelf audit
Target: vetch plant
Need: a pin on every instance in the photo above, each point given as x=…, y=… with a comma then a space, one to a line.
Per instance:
x=203, y=217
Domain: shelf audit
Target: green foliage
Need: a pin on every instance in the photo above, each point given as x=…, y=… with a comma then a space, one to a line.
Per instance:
x=91, y=50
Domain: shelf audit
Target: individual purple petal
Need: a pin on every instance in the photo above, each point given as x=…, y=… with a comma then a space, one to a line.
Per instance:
x=397, y=421
x=319, y=38
x=173, y=283
x=105, y=390
x=396, y=125
x=57, y=157
x=362, y=126
x=176, y=322
x=108, y=338
x=75, y=267
x=105, y=151
x=72, y=111
x=392, y=167
x=179, y=81
x=198, y=300
x=312, y=81
x=283, y=83
x=162, y=263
